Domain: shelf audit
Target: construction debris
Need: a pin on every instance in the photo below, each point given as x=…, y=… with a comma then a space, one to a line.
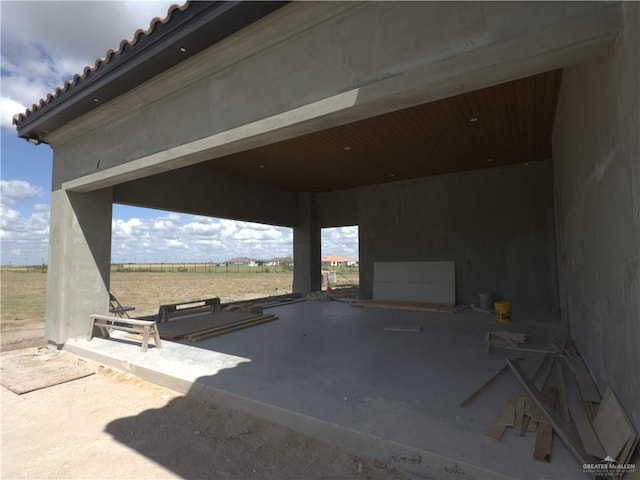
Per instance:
x=217, y=323
x=596, y=432
x=403, y=329
x=504, y=339
x=411, y=306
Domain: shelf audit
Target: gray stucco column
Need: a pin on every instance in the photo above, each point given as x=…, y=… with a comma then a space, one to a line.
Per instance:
x=79, y=262
x=306, y=247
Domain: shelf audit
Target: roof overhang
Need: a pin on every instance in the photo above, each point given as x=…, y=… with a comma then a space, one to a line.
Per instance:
x=186, y=31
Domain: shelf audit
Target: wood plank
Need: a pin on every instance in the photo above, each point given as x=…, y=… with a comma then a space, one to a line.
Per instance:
x=544, y=442
x=403, y=329
x=581, y=373
x=24, y=372
x=586, y=433
x=484, y=386
x=519, y=420
x=567, y=437
x=629, y=448
x=229, y=329
x=409, y=306
x=562, y=393
x=612, y=425
x=502, y=420
x=176, y=329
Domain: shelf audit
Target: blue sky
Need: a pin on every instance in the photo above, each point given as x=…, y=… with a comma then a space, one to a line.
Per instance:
x=42, y=47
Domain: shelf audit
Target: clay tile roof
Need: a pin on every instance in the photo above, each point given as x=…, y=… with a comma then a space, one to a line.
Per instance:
x=101, y=62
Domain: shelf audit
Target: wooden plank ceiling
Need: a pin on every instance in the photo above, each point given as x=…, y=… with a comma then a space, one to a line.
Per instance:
x=500, y=125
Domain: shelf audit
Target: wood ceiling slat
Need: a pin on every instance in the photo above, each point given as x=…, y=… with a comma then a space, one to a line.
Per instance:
x=515, y=125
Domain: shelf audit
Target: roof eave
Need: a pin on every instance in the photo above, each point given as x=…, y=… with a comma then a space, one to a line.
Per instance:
x=193, y=29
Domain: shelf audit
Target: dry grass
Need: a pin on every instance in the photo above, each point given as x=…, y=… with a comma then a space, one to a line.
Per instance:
x=147, y=290
x=23, y=296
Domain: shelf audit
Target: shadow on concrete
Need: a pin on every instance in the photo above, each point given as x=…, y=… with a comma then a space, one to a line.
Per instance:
x=332, y=372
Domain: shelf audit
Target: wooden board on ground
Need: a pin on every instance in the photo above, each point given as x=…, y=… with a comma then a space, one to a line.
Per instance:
x=194, y=337
x=544, y=441
x=573, y=444
x=588, y=389
x=410, y=306
x=415, y=281
x=586, y=433
x=177, y=329
x=24, y=372
x=503, y=420
x=612, y=425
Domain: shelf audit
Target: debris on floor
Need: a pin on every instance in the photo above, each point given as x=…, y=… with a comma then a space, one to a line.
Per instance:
x=211, y=325
x=403, y=329
x=411, y=306
x=504, y=339
x=596, y=430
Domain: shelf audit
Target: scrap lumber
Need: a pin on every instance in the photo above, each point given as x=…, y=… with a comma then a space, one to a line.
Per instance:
x=485, y=385
x=504, y=339
x=229, y=328
x=573, y=444
x=403, y=329
x=178, y=329
x=612, y=426
x=503, y=420
x=562, y=393
x=586, y=386
x=410, y=306
x=544, y=435
x=586, y=432
x=543, y=443
x=519, y=420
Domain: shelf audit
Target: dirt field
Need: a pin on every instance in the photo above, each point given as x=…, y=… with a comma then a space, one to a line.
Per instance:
x=116, y=426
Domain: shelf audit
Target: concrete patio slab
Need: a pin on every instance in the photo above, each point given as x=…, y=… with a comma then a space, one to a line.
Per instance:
x=331, y=371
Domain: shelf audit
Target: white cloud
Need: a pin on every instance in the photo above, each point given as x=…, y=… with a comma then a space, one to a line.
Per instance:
x=24, y=237
x=13, y=191
x=44, y=43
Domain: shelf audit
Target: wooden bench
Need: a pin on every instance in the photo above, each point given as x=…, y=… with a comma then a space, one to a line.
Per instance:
x=145, y=327
x=192, y=307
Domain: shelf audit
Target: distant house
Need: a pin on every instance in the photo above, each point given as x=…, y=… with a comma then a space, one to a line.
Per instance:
x=244, y=261
x=339, y=261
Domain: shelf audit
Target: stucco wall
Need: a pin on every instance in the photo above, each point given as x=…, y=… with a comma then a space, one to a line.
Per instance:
x=496, y=224
x=597, y=176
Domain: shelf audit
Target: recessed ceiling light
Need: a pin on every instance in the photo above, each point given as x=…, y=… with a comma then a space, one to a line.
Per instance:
x=182, y=49
x=392, y=174
x=474, y=119
x=96, y=100
x=526, y=163
x=260, y=166
x=347, y=148
x=489, y=159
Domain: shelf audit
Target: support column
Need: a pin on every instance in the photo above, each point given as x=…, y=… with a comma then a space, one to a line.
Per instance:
x=79, y=262
x=306, y=247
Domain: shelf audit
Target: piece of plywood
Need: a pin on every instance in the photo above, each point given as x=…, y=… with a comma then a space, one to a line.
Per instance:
x=588, y=389
x=503, y=420
x=518, y=422
x=176, y=329
x=26, y=372
x=586, y=433
x=612, y=425
x=573, y=444
x=544, y=442
x=415, y=281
